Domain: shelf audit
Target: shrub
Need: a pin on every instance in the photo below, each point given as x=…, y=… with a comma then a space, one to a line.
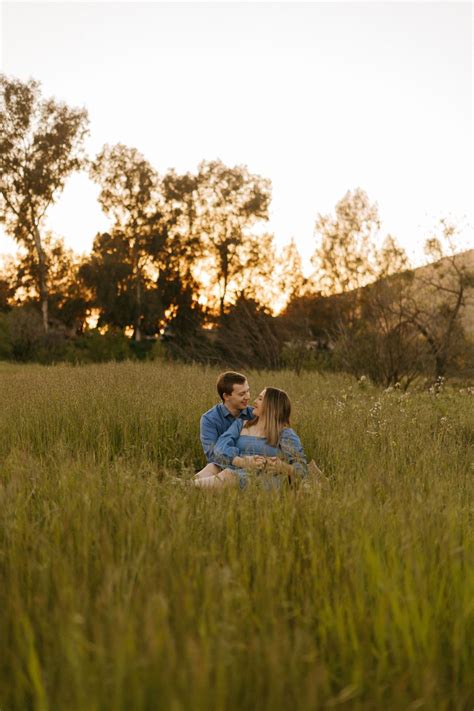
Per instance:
x=26, y=332
x=96, y=347
x=6, y=349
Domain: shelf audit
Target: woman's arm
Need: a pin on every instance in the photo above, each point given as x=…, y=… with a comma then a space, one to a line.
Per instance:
x=226, y=451
x=293, y=453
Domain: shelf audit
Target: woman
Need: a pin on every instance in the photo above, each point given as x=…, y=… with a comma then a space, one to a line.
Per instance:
x=266, y=443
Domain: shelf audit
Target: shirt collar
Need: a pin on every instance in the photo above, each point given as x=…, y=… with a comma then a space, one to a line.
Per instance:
x=224, y=410
x=226, y=413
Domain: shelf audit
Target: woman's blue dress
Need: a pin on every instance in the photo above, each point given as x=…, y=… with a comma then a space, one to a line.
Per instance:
x=233, y=443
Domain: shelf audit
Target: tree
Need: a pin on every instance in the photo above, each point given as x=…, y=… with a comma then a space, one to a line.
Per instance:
x=408, y=319
x=177, y=263
x=229, y=203
x=258, y=279
x=68, y=303
x=180, y=194
x=439, y=293
x=41, y=143
x=348, y=256
x=348, y=320
x=141, y=272
x=291, y=282
x=210, y=246
x=381, y=342
x=6, y=291
x=390, y=259
x=129, y=195
x=110, y=274
x=247, y=336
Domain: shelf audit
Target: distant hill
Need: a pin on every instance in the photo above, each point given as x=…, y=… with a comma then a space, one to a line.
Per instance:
x=465, y=259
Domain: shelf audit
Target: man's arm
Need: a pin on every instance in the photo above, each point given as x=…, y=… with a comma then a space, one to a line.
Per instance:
x=225, y=449
x=208, y=434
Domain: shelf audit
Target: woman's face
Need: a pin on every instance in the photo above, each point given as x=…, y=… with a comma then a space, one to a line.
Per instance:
x=258, y=405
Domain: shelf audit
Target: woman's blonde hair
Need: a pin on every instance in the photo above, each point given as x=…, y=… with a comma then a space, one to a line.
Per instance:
x=276, y=411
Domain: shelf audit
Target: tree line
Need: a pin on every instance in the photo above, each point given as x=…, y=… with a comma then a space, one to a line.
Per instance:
x=188, y=270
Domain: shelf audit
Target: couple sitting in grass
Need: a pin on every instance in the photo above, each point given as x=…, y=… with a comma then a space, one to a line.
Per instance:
x=238, y=439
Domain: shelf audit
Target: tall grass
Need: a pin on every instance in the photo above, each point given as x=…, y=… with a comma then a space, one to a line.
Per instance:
x=120, y=589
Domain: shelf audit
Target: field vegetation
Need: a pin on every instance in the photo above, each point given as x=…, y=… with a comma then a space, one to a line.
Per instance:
x=122, y=589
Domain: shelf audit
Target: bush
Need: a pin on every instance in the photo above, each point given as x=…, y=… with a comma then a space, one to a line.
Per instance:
x=22, y=338
x=6, y=348
x=96, y=347
x=301, y=355
x=26, y=332
x=142, y=350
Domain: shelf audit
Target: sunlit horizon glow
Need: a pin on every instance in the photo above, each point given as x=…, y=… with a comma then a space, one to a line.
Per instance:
x=320, y=98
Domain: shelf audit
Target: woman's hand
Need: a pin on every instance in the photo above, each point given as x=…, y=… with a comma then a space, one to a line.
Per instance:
x=256, y=461
x=272, y=463
x=275, y=465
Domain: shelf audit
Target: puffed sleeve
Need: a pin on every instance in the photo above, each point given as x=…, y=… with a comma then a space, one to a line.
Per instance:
x=226, y=446
x=292, y=451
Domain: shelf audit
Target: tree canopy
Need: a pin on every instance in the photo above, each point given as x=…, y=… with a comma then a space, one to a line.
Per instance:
x=188, y=258
x=41, y=144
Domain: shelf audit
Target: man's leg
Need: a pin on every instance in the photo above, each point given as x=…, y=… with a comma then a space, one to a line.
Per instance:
x=209, y=470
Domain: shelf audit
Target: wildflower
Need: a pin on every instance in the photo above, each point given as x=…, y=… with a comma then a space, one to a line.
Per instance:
x=437, y=387
x=375, y=410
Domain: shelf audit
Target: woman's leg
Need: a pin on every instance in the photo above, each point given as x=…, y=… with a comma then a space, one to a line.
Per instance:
x=224, y=478
x=209, y=470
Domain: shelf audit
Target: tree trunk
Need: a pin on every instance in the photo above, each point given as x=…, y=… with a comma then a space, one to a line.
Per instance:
x=225, y=276
x=138, y=293
x=138, y=312
x=440, y=366
x=43, y=286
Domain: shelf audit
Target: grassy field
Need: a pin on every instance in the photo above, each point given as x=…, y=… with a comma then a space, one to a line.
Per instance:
x=120, y=589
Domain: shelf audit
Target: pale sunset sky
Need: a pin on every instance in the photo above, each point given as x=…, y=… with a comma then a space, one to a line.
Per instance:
x=319, y=97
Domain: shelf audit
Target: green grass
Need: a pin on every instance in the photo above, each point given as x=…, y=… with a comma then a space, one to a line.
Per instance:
x=121, y=590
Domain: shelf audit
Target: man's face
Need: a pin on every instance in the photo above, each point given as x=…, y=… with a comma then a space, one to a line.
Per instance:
x=240, y=397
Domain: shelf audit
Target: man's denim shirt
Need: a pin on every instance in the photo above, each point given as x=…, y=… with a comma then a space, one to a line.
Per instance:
x=215, y=422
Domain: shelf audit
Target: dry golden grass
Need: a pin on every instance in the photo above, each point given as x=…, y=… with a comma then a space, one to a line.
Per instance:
x=120, y=589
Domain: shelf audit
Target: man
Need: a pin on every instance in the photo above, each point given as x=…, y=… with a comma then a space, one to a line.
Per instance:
x=234, y=392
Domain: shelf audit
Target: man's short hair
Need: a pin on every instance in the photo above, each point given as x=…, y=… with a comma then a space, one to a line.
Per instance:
x=227, y=380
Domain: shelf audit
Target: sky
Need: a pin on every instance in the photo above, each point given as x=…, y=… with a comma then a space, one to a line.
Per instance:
x=320, y=97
